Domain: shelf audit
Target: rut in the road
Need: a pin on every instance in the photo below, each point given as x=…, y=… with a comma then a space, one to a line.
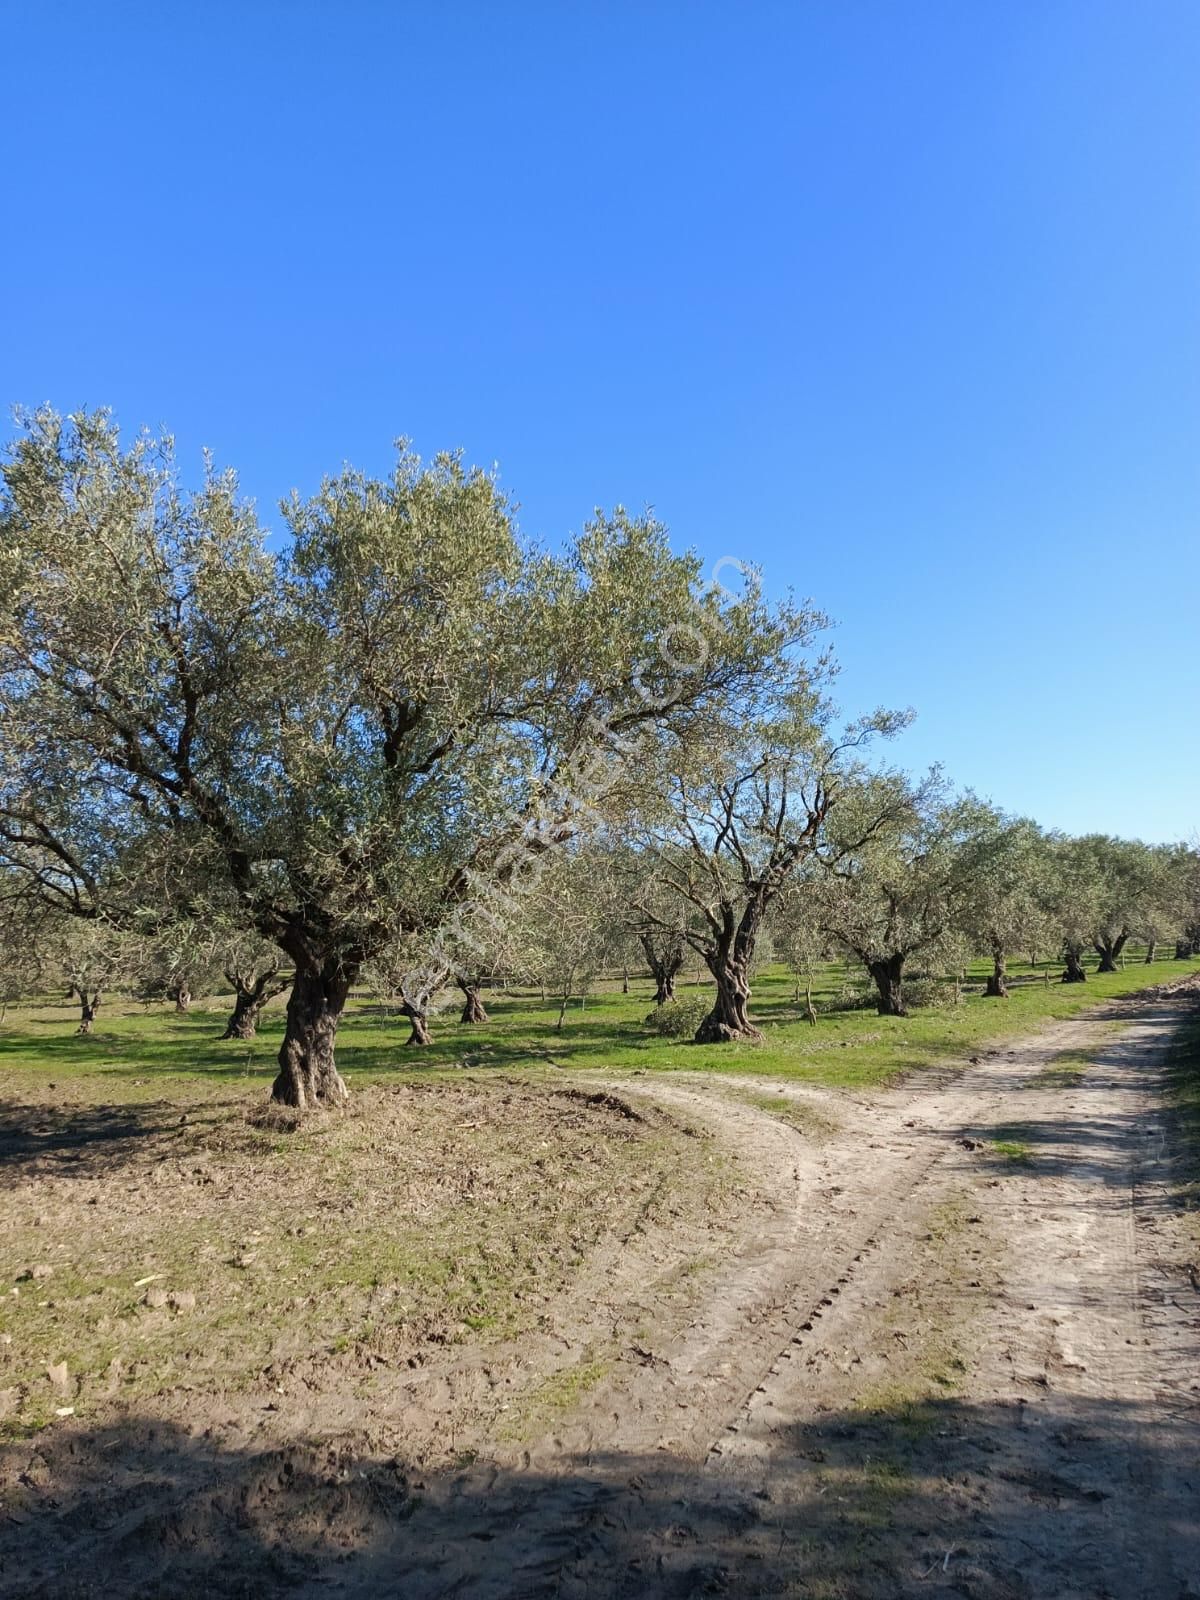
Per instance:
x=1063, y=1461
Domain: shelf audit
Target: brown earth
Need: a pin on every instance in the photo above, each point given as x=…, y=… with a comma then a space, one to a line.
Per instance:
x=746, y=1339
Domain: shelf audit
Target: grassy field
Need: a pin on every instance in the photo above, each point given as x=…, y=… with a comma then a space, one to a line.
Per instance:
x=136, y=1050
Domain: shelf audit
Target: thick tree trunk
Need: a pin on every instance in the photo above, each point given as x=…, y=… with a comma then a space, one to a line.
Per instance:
x=888, y=974
x=473, y=1008
x=250, y=996
x=1108, y=950
x=664, y=987
x=307, y=1075
x=664, y=969
x=1183, y=949
x=88, y=1007
x=624, y=980
x=243, y=1023
x=183, y=998
x=997, y=984
x=419, y=1023
x=1150, y=949
x=1072, y=955
x=729, y=1018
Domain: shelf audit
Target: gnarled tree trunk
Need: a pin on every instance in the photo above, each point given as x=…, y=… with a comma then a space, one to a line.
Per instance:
x=307, y=1074
x=888, y=973
x=418, y=1019
x=665, y=967
x=250, y=994
x=1108, y=950
x=729, y=1018
x=473, y=1007
x=997, y=984
x=182, y=997
x=1150, y=949
x=88, y=1007
x=728, y=956
x=1073, y=956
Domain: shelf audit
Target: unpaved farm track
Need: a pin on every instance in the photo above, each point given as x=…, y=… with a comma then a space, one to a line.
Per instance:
x=956, y=1354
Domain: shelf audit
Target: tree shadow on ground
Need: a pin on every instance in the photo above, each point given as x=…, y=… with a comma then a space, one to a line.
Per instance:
x=1036, y=1500
x=84, y=1141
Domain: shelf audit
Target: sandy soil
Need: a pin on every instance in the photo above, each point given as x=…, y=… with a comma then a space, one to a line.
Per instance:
x=945, y=1342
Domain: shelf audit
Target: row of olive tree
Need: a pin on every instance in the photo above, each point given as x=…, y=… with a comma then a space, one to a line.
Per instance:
x=894, y=871
x=378, y=752
x=346, y=739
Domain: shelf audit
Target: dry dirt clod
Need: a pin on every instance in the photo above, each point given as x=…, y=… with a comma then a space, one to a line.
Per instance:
x=36, y=1273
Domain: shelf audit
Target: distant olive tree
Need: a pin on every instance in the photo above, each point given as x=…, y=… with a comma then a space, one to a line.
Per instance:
x=905, y=888
x=735, y=833
x=1006, y=865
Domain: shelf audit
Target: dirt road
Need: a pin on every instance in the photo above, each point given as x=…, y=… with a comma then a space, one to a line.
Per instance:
x=953, y=1350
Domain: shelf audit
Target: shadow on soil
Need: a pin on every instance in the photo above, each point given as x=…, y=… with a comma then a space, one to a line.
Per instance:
x=90, y=1141
x=938, y=1498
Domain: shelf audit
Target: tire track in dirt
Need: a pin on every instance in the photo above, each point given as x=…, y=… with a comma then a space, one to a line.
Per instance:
x=691, y=1468
x=771, y=1324
x=835, y=1205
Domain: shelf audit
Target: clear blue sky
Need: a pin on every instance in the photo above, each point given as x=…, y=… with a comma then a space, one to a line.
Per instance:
x=900, y=300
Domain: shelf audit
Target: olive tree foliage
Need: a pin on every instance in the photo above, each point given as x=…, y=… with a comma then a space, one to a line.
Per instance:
x=1123, y=893
x=1072, y=901
x=93, y=959
x=181, y=962
x=651, y=912
x=1182, y=896
x=1005, y=911
x=22, y=964
x=1164, y=902
x=739, y=826
x=902, y=889
x=569, y=930
x=345, y=736
x=1100, y=893
x=797, y=935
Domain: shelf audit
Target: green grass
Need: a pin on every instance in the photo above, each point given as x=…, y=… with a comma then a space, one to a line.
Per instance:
x=1013, y=1149
x=136, y=1052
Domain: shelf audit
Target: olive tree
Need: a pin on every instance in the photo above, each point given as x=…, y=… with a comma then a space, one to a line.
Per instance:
x=568, y=927
x=1072, y=901
x=344, y=734
x=798, y=937
x=734, y=835
x=1005, y=910
x=653, y=913
x=902, y=888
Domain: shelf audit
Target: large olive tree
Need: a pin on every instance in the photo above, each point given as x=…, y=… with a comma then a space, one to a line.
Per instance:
x=345, y=732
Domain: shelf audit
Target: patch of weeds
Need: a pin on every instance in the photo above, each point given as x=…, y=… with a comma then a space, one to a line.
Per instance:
x=799, y=1113
x=1065, y=1069
x=1012, y=1150
x=907, y=1409
x=553, y=1396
